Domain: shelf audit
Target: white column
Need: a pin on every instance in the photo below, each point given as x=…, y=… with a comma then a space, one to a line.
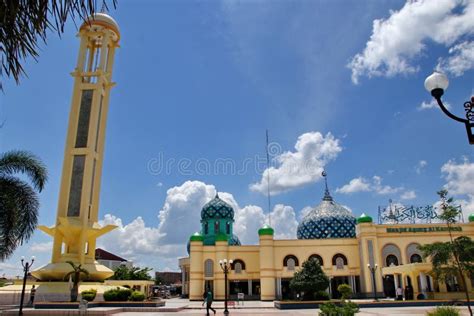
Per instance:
x=278, y=287
x=395, y=279
x=423, y=283
x=351, y=283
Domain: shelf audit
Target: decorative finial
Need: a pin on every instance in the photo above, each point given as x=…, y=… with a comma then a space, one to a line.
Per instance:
x=217, y=194
x=327, y=195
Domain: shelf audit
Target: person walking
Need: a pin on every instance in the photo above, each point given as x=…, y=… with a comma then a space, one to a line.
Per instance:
x=32, y=296
x=208, y=300
x=399, y=293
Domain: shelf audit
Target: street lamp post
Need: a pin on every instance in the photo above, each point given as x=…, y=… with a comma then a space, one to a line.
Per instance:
x=226, y=267
x=26, y=267
x=374, y=284
x=436, y=83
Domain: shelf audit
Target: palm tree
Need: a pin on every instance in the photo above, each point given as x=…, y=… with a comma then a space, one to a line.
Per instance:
x=19, y=202
x=75, y=275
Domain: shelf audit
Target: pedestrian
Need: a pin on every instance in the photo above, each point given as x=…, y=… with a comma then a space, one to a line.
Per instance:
x=399, y=293
x=208, y=300
x=32, y=295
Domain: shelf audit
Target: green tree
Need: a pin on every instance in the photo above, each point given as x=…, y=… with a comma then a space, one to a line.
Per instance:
x=19, y=201
x=123, y=272
x=25, y=24
x=310, y=279
x=75, y=275
x=454, y=258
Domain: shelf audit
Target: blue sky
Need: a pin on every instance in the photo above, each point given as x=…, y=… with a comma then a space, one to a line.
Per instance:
x=203, y=80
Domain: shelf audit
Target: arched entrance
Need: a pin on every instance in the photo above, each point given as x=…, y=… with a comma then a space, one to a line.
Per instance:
x=389, y=286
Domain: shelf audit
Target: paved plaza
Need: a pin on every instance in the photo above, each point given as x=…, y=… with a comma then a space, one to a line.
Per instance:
x=399, y=311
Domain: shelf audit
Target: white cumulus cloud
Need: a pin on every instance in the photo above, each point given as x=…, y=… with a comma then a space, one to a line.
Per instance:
x=376, y=186
x=297, y=168
x=355, y=185
x=459, y=177
x=401, y=38
x=462, y=59
x=408, y=195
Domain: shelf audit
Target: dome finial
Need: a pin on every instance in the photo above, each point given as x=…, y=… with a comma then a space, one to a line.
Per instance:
x=327, y=195
x=217, y=193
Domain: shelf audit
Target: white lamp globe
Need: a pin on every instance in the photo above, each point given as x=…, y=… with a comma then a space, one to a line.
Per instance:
x=437, y=80
x=221, y=262
x=231, y=261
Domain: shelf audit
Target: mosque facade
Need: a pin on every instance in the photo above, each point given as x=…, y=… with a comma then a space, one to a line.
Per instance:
x=345, y=247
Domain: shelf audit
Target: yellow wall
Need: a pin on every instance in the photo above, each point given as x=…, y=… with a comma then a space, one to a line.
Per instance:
x=265, y=261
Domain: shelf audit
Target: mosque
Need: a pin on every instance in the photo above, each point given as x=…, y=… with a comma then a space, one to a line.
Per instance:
x=345, y=246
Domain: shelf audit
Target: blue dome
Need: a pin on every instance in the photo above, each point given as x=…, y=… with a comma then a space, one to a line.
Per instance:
x=217, y=208
x=327, y=220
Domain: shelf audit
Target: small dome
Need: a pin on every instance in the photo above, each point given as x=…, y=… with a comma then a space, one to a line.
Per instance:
x=104, y=18
x=266, y=230
x=471, y=218
x=234, y=241
x=327, y=220
x=217, y=208
x=364, y=219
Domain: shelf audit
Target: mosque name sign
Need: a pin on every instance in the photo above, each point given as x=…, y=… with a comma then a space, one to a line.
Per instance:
x=422, y=229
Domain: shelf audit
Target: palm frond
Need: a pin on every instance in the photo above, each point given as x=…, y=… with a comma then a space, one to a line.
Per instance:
x=24, y=162
x=18, y=214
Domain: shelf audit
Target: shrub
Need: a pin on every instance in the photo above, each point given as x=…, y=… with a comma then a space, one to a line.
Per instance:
x=89, y=295
x=346, y=309
x=118, y=295
x=123, y=294
x=345, y=290
x=137, y=296
x=445, y=311
x=321, y=296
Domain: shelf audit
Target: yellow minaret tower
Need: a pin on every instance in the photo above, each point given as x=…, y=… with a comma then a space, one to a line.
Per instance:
x=76, y=228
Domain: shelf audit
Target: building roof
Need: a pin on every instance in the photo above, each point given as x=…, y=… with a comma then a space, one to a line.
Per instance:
x=101, y=254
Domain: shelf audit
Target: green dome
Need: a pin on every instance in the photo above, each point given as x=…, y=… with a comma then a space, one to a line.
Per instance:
x=196, y=237
x=364, y=219
x=471, y=218
x=217, y=208
x=266, y=230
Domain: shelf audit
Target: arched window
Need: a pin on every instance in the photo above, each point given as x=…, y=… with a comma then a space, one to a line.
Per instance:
x=227, y=228
x=208, y=268
x=290, y=262
x=206, y=228
x=389, y=251
x=412, y=250
x=317, y=258
x=415, y=258
x=339, y=260
x=238, y=265
x=216, y=227
x=391, y=260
